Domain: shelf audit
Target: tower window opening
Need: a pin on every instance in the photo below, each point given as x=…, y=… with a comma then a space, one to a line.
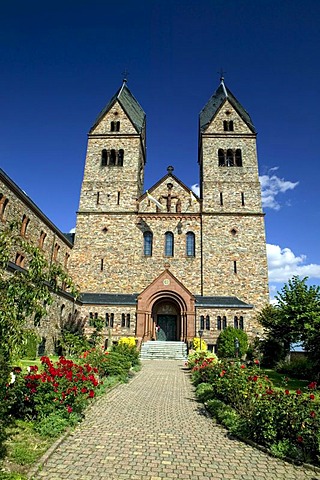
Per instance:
x=221, y=158
x=98, y=198
x=118, y=199
x=117, y=126
x=221, y=199
x=120, y=157
x=238, y=156
x=113, y=157
x=230, y=158
x=228, y=125
x=242, y=199
x=234, y=266
x=101, y=265
x=104, y=157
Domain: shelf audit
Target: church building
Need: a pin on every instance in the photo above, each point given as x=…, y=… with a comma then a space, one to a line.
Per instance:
x=164, y=258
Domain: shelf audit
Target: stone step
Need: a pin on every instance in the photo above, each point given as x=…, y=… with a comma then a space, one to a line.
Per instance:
x=157, y=350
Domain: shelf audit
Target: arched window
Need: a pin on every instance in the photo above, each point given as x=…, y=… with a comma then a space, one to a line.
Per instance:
x=111, y=319
x=230, y=158
x=207, y=322
x=236, y=322
x=113, y=157
x=219, y=323
x=221, y=157
x=169, y=244
x=123, y=320
x=56, y=251
x=201, y=322
x=118, y=127
x=190, y=244
x=147, y=244
x=128, y=320
x=228, y=125
x=238, y=158
x=224, y=322
x=112, y=126
x=241, y=324
x=25, y=223
x=107, y=319
x=104, y=157
x=42, y=238
x=120, y=157
x=3, y=203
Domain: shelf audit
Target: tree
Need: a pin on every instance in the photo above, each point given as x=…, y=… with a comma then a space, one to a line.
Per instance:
x=226, y=342
x=295, y=317
x=25, y=293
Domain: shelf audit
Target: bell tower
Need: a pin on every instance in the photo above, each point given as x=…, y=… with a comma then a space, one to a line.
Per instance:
x=116, y=155
x=234, y=244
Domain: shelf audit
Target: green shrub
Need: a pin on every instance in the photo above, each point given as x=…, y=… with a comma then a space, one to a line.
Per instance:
x=300, y=368
x=54, y=424
x=226, y=343
x=128, y=352
x=204, y=392
x=285, y=448
x=196, y=357
x=30, y=345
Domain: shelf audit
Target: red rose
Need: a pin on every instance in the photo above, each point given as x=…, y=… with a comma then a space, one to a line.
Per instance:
x=287, y=392
x=298, y=392
x=311, y=396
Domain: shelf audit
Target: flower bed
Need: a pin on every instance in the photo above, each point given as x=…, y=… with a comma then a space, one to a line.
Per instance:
x=250, y=406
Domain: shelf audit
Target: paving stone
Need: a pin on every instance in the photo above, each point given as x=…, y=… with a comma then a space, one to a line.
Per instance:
x=152, y=428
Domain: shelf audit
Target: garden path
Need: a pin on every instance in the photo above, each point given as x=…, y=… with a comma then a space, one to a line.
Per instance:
x=152, y=428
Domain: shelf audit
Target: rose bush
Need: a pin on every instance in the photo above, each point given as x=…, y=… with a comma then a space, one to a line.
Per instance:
x=287, y=423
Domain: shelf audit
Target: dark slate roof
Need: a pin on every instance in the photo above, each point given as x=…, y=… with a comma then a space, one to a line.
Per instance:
x=215, y=102
x=108, y=298
x=221, y=302
x=30, y=204
x=130, y=106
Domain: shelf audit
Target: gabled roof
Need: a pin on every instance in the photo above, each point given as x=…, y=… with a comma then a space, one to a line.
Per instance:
x=163, y=179
x=130, y=106
x=108, y=299
x=214, y=104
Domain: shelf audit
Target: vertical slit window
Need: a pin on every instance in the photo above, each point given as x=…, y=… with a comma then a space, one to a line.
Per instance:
x=3, y=203
x=236, y=322
x=98, y=198
x=207, y=322
x=117, y=126
x=101, y=265
x=112, y=126
x=25, y=223
x=230, y=159
x=128, y=320
x=169, y=244
x=111, y=319
x=42, y=238
x=190, y=244
x=123, y=320
x=147, y=244
x=234, y=266
x=221, y=199
x=118, y=199
x=242, y=199
x=107, y=319
x=202, y=322
x=241, y=323
x=219, y=323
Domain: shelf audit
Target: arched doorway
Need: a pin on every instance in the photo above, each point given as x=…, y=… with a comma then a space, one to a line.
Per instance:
x=167, y=319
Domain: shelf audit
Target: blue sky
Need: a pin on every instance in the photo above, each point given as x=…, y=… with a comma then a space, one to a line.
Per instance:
x=61, y=62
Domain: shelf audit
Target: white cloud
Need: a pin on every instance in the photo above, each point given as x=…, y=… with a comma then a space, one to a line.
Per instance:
x=196, y=189
x=284, y=264
x=271, y=186
x=73, y=230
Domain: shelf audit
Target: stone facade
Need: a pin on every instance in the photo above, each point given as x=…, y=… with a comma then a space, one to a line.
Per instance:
x=166, y=256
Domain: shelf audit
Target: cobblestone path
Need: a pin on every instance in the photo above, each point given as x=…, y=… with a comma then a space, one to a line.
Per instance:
x=152, y=429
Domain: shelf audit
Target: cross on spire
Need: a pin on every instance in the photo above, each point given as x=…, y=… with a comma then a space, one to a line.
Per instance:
x=222, y=72
x=125, y=75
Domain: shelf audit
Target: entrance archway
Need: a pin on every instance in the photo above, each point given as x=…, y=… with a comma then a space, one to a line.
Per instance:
x=166, y=296
x=167, y=320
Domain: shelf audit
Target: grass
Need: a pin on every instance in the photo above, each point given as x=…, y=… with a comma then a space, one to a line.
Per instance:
x=278, y=380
